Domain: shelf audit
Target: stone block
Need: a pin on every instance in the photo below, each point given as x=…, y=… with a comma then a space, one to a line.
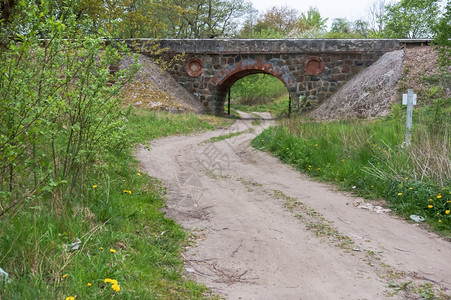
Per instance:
x=345, y=69
x=358, y=63
x=355, y=69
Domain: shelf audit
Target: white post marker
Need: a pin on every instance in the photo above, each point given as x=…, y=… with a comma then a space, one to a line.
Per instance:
x=409, y=99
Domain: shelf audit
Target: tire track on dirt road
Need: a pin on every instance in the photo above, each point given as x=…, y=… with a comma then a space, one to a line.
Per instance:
x=262, y=230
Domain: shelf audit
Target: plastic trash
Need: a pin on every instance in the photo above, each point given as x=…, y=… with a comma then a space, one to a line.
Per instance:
x=3, y=275
x=417, y=218
x=74, y=246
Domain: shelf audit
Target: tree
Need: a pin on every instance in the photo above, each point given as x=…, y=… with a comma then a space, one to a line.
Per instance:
x=442, y=34
x=361, y=28
x=312, y=20
x=341, y=25
x=285, y=22
x=281, y=20
x=411, y=19
x=207, y=18
x=376, y=14
x=344, y=29
x=247, y=31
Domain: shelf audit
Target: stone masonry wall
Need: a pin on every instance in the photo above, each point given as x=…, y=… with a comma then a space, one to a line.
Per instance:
x=310, y=69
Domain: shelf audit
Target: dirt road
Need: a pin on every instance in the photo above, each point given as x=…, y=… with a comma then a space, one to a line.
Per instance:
x=262, y=230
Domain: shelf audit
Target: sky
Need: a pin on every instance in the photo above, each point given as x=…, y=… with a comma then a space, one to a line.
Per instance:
x=349, y=9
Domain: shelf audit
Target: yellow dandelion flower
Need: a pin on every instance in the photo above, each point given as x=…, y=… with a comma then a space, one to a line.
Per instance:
x=316, y=145
x=439, y=196
x=430, y=200
x=107, y=280
x=319, y=169
x=411, y=188
x=438, y=214
x=406, y=178
x=112, y=251
x=447, y=212
x=70, y=298
x=101, y=248
x=263, y=140
x=288, y=148
x=399, y=194
x=94, y=186
x=123, y=180
x=372, y=186
x=139, y=174
x=113, y=281
x=116, y=288
x=430, y=206
x=440, y=221
x=89, y=284
x=65, y=275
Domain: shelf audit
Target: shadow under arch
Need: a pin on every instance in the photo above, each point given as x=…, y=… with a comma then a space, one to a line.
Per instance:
x=224, y=78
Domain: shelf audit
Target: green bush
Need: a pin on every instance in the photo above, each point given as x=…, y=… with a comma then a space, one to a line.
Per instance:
x=118, y=210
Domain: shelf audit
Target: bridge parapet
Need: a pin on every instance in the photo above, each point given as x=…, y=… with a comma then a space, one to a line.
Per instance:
x=312, y=70
x=276, y=46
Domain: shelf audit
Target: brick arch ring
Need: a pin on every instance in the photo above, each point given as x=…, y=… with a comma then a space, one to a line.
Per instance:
x=224, y=78
x=228, y=75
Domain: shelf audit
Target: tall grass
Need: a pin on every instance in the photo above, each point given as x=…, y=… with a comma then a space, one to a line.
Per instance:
x=123, y=234
x=369, y=157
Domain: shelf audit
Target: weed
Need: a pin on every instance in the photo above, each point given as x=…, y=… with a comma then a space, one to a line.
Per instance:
x=227, y=136
x=127, y=248
x=368, y=157
x=249, y=184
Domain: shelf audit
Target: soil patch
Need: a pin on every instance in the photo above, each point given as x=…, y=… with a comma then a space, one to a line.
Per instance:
x=154, y=88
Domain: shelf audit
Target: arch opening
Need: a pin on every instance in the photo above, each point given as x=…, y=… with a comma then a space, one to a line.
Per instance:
x=257, y=92
x=228, y=76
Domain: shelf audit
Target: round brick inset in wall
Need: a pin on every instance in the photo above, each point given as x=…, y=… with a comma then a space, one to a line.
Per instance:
x=194, y=67
x=314, y=65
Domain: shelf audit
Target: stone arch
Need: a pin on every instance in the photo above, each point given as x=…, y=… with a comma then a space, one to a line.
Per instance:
x=224, y=78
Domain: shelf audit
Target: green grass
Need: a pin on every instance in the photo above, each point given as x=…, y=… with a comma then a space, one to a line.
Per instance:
x=148, y=125
x=278, y=107
x=256, y=122
x=368, y=158
x=257, y=89
x=119, y=210
x=227, y=136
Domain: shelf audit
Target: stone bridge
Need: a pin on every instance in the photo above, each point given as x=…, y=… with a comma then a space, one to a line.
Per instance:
x=311, y=70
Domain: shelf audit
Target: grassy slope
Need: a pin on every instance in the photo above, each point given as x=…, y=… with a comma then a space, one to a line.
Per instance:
x=120, y=211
